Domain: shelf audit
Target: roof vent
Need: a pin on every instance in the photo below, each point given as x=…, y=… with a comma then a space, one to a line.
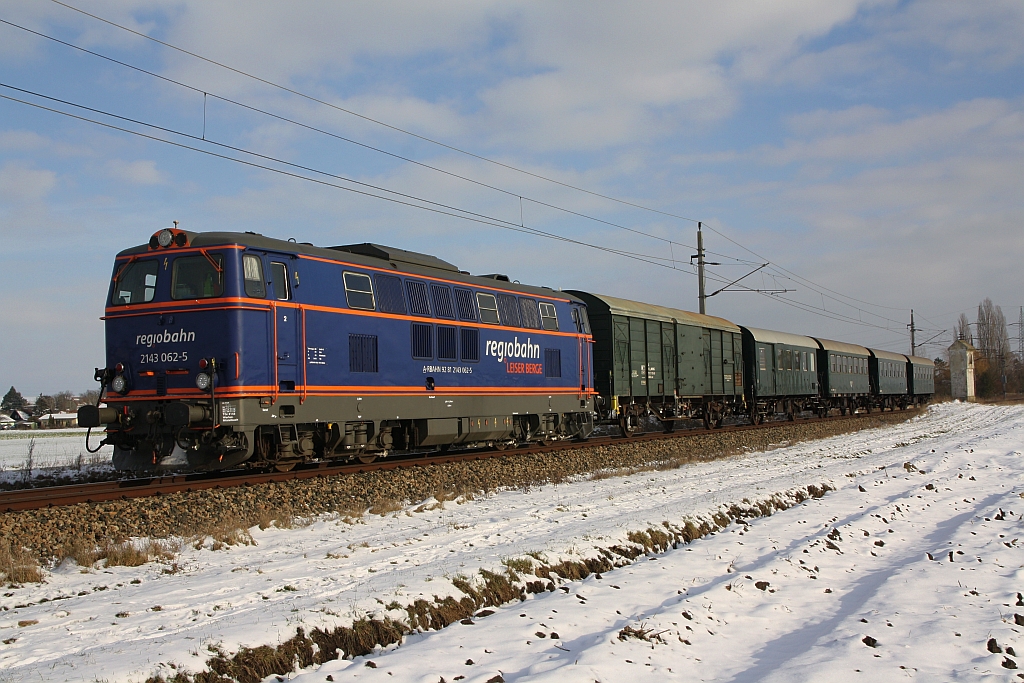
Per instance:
x=498, y=277
x=400, y=255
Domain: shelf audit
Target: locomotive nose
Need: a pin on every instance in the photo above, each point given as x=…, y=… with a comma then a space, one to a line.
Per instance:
x=181, y=414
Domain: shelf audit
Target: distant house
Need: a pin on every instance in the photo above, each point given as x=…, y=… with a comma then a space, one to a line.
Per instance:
x=58, y=420
x=23, y=419
x=7, y=422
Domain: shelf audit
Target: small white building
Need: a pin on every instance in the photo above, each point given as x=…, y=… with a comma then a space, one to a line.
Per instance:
x=962, y=357
x=58, y=420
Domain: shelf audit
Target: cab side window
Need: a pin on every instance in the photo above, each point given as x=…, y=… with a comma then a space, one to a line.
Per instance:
x=252, y=271
x=279, y=278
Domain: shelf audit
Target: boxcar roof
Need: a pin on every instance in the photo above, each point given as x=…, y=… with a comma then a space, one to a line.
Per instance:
x=366, y=254
x=888, y=355
x=636, y=309
x=918, y=360
x=773, y=337
x=841, y=347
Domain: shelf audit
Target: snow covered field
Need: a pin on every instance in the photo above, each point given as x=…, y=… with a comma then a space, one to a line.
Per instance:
x=51, y=449
x=835, y=589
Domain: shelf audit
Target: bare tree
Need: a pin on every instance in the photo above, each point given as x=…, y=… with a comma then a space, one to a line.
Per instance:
x=64, y=402
x=993, y=341
x=963, y=329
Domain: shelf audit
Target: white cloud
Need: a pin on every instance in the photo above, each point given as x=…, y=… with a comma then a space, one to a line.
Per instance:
x=142, y=172
x=22, y=185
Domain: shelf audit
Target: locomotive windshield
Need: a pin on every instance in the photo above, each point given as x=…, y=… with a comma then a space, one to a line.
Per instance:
x=197, y=277
x=135, y=283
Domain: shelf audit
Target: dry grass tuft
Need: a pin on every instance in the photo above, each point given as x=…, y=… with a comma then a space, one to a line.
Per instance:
x=18, y=565
x=384, y=506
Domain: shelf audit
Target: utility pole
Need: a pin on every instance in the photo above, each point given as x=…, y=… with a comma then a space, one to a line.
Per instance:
x=913, y=331
x=1020, y=335
x=700, y=268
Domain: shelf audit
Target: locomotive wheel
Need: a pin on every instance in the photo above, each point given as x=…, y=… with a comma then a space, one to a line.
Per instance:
x=286, y=466
x=501, y=445
x=707, y=420
x=366, y=458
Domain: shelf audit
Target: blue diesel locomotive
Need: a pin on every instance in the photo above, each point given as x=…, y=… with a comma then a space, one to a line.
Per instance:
x=224, y=348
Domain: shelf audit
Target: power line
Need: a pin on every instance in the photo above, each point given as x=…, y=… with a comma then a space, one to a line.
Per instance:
x=278, y=117
x=436, y=207
x=368, y=118
x=408, y=200
x=814, y=286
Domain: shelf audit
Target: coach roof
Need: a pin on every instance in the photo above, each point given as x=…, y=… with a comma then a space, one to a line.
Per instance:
x=842, y=347
x=366, y=254
x=888, y=355
x=635, y=309
x=773, y=337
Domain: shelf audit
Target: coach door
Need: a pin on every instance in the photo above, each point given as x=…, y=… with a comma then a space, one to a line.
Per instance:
x=286, y=323
x=765, y=369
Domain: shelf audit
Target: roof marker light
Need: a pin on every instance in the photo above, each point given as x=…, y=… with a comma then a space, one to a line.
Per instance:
x=165, y=238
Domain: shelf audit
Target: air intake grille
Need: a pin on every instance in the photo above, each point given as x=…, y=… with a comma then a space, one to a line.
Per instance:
x=422, y=341
x=362, y=353
x=447, y=342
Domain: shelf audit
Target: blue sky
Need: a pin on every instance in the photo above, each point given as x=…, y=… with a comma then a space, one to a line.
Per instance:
x=871, y=151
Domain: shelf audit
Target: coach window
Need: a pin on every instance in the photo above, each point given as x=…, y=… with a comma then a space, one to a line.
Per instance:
x=762, y=363
x=810, y=361
x=359, y=291
x=279, y=278
x=488, y=308
x=135, y=283
x=197, y=277
x=548, y=317
x=252, y=271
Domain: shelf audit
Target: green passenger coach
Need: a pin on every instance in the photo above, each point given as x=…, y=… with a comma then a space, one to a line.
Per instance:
x=665, y=362
x=783, y=373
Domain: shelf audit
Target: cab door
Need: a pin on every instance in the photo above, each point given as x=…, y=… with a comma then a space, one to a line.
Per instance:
x=286, y=322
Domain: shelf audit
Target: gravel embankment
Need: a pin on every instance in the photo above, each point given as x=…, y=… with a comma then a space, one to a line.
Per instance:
x=50, y=533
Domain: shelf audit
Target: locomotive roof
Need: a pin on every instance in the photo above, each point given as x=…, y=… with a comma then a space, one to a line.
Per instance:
x=888, y=355
x=637, y=309
x=365, y=254
x=841, y=347
x=773, y=337
x=918, y=360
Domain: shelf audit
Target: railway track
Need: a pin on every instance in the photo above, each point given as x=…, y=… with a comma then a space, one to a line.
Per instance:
x=95, y=492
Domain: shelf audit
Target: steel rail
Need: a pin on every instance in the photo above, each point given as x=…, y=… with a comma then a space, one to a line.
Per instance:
x=141, y=487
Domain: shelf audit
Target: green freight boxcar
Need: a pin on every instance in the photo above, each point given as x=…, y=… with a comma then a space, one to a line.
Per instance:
x=665, y=362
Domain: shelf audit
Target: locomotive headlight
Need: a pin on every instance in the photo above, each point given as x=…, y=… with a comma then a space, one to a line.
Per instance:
x=165, y=238
x=119, y=384
x=203, y=381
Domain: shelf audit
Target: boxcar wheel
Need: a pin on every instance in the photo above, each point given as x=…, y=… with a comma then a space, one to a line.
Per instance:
x=366, y=458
